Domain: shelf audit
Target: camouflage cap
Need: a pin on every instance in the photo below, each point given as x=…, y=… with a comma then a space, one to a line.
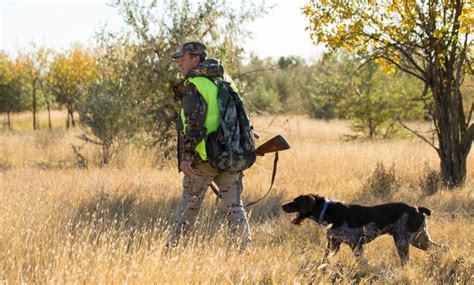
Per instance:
x=191, y=47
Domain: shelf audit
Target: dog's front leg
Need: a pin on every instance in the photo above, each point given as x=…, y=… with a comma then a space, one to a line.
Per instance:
x=331, y=249
x=358, y=250
x=402, y=242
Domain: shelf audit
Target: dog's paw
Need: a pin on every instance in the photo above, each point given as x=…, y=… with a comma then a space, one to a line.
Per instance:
x=323, y=267
x=296, y=221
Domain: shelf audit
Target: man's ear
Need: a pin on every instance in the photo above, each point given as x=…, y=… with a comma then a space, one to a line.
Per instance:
x=308, y=204
x=196, y=59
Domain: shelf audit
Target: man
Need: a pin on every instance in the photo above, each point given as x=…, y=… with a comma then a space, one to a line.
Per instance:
x=199, y=117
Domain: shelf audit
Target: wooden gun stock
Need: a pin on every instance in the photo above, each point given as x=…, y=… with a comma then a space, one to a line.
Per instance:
x=275, y=144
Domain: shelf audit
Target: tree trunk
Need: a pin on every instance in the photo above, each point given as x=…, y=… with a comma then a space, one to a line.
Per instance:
x=34, y=105
x=70, y=113
x=371, y=129
x=67, y=121
x=105, y=154
x=70, y=117
x=455, y=139
x=49, y=115
x=453, y=167
x=9, y=122
x=370, y=123
x=48, y=105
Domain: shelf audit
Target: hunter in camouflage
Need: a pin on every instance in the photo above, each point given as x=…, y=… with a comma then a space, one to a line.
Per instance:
x=194, y=110
x=200, y=174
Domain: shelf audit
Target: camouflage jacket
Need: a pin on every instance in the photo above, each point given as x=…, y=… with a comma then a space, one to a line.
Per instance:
x=195, y=109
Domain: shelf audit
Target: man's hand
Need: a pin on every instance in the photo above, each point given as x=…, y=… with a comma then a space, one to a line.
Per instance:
x=186, y=168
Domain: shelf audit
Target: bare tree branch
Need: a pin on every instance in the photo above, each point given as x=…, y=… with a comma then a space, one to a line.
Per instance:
x=407, y=55
x=253, y=71
x=402, y=68
x=418, y=135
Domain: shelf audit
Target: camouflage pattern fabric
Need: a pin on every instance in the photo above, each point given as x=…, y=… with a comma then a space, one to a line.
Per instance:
x=207, y=68
x=195, y=108
x=196, y=48
x=232, y=146
x=195, y=187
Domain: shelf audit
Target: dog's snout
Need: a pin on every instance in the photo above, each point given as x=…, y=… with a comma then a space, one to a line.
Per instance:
x=288, y=207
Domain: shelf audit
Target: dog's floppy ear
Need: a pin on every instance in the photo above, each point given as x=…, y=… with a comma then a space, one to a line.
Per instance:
x=307, y=204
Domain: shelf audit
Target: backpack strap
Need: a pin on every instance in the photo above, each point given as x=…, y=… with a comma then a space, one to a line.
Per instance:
x=218, y=83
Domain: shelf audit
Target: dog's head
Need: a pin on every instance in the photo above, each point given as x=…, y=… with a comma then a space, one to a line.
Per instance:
x=304, y=205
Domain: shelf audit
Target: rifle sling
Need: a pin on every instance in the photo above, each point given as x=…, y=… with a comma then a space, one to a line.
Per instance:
x=214, y=189
x=275, y=164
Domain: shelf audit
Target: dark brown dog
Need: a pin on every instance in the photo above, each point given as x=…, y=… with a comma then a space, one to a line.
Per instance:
x=356, y=225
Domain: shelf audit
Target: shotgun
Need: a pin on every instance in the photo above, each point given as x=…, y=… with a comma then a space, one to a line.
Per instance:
x=275, y=144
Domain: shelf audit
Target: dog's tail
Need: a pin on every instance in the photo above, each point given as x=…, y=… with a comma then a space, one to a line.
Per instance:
x=424, y=210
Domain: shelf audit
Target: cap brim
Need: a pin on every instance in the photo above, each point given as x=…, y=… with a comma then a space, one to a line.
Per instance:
x=177, y=54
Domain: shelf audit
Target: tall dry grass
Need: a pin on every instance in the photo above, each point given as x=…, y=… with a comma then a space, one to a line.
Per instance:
x=60, y=223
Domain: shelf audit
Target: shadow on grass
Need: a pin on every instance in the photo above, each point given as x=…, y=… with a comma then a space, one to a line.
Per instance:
x=119, y=214
x=129, y=214
x=267, y=209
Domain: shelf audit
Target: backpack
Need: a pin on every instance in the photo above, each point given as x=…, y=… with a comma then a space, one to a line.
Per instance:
x=232, y=146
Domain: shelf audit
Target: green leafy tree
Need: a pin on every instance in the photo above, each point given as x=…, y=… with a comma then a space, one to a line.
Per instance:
x=292, y=80
x=109, y=109
x=345, y=88
x=10, y=87
x=275, y=86
x=69, y=75
x=430, y=40
x=330, y=84
x=258, y=85
x=44, y=57
x=147, y=73
x=35, y=65
x=376, y=99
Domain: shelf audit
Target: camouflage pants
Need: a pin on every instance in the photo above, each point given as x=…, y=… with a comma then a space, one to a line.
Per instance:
x=194, y=190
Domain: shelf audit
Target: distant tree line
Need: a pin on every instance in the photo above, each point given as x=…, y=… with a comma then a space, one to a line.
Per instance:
x=42, y=79
x=339, y=87
x=336, y=88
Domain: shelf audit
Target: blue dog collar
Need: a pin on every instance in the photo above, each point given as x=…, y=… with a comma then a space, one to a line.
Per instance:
x=323, y=211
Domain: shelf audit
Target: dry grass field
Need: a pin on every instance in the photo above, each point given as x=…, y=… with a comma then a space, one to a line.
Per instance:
x=60, y=223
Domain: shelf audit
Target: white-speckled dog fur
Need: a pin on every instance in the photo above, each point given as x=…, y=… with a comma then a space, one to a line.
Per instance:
x=356, y=225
